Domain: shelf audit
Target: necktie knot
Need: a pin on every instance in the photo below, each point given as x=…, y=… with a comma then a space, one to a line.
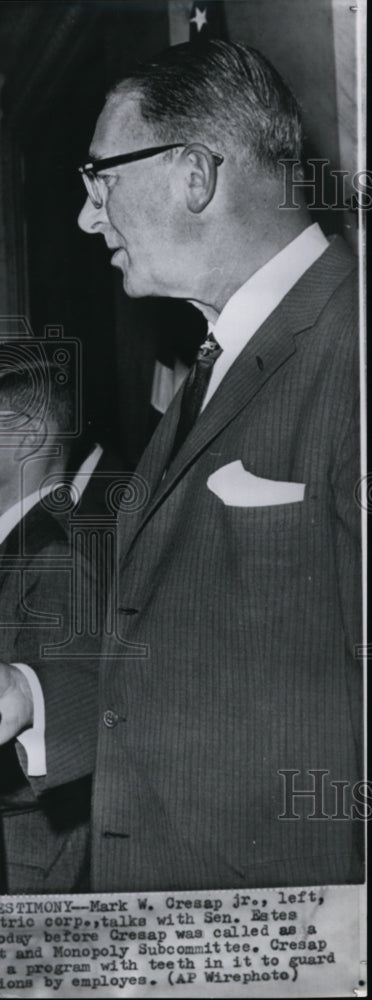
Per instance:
x=195, y=389
x=209, y=349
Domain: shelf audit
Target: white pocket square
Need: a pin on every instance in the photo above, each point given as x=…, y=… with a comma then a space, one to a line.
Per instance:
x=239, y=488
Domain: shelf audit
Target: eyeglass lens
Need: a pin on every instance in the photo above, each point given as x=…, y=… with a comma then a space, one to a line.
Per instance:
x=95, y=187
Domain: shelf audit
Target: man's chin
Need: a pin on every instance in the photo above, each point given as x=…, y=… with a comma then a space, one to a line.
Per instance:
x=130, y=287
x=135, y=285
x=121, y=263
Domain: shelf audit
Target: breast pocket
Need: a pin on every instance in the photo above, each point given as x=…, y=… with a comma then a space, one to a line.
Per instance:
x=275, y=527
x=274, y=551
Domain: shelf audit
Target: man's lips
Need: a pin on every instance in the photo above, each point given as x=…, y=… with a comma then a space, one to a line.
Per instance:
x=116, y=255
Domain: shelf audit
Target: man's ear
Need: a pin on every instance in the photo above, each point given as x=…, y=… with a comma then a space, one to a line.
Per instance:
x=201, y=175
x=32, y=439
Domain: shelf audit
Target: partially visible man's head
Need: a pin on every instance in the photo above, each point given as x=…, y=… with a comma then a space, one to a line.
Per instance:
x=32, y=390
x=36, y=414
x=173, y=218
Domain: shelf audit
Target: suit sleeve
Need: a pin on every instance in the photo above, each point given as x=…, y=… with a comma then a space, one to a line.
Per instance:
x=56, y=639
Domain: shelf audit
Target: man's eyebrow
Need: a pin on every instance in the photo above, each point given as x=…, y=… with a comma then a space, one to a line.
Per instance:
x=94, y=158
x=96, y=155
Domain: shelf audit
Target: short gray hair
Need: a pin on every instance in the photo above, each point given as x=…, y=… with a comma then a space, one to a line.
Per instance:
x=222, y=94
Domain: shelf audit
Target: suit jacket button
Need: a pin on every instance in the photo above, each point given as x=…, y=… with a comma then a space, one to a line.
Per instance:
x=110, y=718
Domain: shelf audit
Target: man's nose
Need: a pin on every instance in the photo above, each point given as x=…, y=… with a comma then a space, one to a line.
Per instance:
x=91, y=218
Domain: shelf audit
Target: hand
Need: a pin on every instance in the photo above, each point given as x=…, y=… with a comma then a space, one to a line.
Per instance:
x=16, y=704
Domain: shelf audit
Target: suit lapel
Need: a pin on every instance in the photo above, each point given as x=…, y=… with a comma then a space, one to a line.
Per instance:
x=273, y=344
x=241, y=384
x=33, y=532
x=155, y=457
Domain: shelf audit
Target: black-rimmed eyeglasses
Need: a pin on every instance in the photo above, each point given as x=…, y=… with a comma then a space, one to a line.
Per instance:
x=95, y=184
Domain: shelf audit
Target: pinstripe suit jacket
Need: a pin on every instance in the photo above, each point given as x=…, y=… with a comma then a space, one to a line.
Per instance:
x=45, y=838
x=242, y=621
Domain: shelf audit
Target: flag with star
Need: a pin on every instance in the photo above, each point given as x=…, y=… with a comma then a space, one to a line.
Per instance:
x=207, y=20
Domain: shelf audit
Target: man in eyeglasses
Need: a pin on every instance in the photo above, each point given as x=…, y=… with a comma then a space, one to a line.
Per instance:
x=231, y=683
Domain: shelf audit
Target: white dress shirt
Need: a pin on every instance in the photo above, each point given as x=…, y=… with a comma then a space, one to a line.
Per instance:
x=166, y=382
x=86, y=469
x=14, y=514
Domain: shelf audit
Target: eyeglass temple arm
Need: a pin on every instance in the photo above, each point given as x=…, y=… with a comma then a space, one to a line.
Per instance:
x=112, y=161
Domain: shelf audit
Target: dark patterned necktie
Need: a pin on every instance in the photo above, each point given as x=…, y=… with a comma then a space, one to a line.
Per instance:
x=195, y=389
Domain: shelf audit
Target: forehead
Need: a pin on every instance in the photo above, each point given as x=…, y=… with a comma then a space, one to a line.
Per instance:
x=120, y=127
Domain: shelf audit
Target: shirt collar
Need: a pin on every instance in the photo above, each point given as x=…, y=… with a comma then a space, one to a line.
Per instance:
x=18, y=510
x=253, y=302
x=11, y=517
x=86, y=469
